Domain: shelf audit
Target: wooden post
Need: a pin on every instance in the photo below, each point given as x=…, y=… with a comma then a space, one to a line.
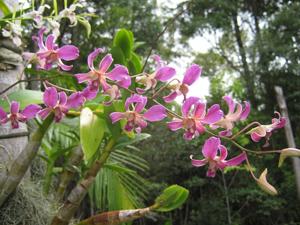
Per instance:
x=289, y=134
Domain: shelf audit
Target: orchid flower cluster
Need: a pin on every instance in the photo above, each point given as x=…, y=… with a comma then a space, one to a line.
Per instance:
x=196, y=117
x=13, y=29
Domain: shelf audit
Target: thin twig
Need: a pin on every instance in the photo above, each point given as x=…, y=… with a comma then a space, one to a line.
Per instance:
x=170, y=21
x=227, y=199
x=244, y=129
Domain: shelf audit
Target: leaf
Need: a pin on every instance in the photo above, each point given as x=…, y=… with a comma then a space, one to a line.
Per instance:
x=86, y=24
x=118, y=55
x=124, y=40
x=134, y=64
x=118, y=168
x=288, y=152
x=91, y=132
x=4, y=8
x=171, y=198
x=264, y=184
x=25, y=97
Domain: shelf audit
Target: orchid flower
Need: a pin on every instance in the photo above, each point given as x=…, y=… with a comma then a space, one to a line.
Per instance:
x=215, y=161
x=135, y=119
x=14, y=32
x=54, y=27
x=162, y=73
x=59, y=103
x=37, y=15
x=15, y=116
x=98, y=77
x=195, y=117
x=235, y=113
x=70, y=13
x=266, y=130
x=182, y=88
x=49, y=52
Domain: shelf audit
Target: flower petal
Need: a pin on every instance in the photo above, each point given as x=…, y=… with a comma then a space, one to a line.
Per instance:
x=214, y=114
x=31, y=110
x=175, y=124
x=105, y=63
x=68, y=52
x=64, y=66
x=50, y=42
x=187, y=105
x=14, y=107
x=230, y=103
x=116, y=116
x=82, y=77
x=211, y=173
x=155, y=113
x=199, y=111
x=91, y=91
x=197, y=162
x=140, y=102
x=120, y=74
x=237, y=160
x=50, y=97
x=75, y=100
x=165, y=73
x=3, y=114
x=246, y=111
x=62, y=98
x=192, y=74
x=92, y=57
x=223, y=152
x=210, y=147
x=169, y=98
x=44, y=113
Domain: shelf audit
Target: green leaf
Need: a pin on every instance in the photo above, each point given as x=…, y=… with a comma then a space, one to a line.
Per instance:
x=124, y=40
x=171, y=198
x=4, y=8
x=134, y=64
x=91, y=132
x=118, y=168
x=118, y=55
x=86, y=24
x=25, y=97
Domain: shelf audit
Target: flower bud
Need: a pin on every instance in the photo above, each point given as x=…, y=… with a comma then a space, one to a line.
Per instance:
x=287, y=152
x=265, y=185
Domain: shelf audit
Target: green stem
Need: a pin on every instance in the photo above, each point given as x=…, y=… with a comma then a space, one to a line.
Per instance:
x=48, y=177
x=70, y=206
x=24, y=159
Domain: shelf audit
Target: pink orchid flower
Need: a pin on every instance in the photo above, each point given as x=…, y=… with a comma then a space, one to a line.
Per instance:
x=195, y=117
x=235, y=113
x=15, y=116
x=49, y=53
x=135, y=119
x=182, y=88
x=215, y=161
x=266, y=130
x=162, y=73
x=98, y=77
x=59, y=103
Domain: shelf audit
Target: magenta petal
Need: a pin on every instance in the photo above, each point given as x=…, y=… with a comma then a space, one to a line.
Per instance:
x=197, y=162
x=223, y=152
x=50, y=97
x=211, y=173
x=116, y=116
x=175, y=124
x=105, y=63
x=40, y=38
x=187, y=105
x=14, y=107
x=230, y=103
x=200, y=128
x=62, y=98
x=90, y=92
x=75, y=100
x=82, y=77
x=68, y=52
x=169, y=98
x=140, y=91
x=50, y=42
x=256, y=136
x=140, y=101
x=44, y=113
x=165, y=73
x=3, y=114
x=213, y=115
x=225, y=133
x=64, y=66
x=192, y=74
x=211, y=147
x=31, y=110
x=92, y=57
x=236, y=160
x=246, y=111
x=188, y=135
x=120, y=74
x=199, y=111
x=155, y=113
